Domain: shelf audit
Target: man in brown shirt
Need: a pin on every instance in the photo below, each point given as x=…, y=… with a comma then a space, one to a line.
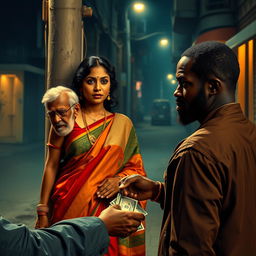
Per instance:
x=210, y=185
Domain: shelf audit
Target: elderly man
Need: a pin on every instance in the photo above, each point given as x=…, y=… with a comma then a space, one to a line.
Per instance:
x=209, y=191
x=62, y=105
x=80, y=236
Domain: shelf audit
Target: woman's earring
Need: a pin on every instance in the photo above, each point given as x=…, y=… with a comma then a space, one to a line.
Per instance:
x=108, y=98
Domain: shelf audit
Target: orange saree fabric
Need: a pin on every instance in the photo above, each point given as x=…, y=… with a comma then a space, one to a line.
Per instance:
x=115, y=153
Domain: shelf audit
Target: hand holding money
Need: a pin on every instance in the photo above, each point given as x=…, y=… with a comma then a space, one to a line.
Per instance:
x=120, y=223
x=129, y=204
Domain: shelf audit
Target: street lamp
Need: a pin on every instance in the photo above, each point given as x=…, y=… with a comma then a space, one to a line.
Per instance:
x=169, y=76
x=138, y=7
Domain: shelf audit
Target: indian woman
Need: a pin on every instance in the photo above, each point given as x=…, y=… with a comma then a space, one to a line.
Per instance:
x=88, y=163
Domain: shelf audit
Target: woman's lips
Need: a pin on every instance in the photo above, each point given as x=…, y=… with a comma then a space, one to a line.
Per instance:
x=97, y=96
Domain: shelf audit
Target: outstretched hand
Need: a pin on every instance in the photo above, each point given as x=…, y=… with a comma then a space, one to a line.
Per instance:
x=138, y=187
x=120, y=223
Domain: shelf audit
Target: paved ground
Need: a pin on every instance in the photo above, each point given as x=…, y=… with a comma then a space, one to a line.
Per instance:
x=21, y=172
x=157, y=144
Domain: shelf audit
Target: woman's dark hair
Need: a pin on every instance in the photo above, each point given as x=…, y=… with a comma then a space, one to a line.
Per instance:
x=84, y=70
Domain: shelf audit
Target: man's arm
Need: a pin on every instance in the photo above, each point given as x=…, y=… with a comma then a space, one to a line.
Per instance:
x=80, y=236
x=197, y=202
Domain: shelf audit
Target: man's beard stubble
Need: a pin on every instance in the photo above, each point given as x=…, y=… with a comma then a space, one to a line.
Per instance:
x=192, y=111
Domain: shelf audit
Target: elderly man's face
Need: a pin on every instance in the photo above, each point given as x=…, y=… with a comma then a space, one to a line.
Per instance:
x=61, y=115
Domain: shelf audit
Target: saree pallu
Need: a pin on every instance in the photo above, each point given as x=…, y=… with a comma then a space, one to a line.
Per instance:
x=115, y=153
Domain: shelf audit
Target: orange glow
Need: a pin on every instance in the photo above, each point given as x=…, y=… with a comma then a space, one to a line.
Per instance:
x=8, y=76
x=138, y=85
x=241, y=80
x=250, y=81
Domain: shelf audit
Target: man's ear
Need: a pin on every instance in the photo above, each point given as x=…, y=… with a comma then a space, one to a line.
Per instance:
x=214, y=86
x=76, y=109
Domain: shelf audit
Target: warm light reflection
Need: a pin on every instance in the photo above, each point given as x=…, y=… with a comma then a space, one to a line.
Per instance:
x=250, y=81
x=138, y=7
x=241, y=79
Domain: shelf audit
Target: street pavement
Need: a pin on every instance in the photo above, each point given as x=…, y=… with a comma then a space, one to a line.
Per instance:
x=22, y=166
x=157, y=144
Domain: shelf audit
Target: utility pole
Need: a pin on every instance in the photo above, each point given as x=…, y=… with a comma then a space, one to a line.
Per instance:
x=128, y=63
x=64, y=47
x=63, y=41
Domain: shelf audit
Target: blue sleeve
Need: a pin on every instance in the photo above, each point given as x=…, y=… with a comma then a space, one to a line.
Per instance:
x=81, y=236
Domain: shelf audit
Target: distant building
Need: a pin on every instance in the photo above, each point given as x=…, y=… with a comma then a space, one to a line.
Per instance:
x=21, y=72
x=229, y=21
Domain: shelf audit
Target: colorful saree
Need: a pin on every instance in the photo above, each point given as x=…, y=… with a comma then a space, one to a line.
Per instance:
x=84, y=167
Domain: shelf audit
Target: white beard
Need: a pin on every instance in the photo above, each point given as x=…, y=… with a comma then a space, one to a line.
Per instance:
x=65, y=130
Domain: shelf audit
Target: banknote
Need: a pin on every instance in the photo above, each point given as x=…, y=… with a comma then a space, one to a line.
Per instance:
x=128, y=204
x=141, y=210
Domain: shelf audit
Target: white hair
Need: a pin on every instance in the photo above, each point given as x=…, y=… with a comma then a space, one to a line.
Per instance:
x=54, y=92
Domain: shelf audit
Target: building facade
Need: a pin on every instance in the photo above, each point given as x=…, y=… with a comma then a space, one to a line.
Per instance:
x=230, y=21
x=21, y=72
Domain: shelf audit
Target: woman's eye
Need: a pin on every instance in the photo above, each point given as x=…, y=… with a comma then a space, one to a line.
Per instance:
x=89, y=81
x=104, y=81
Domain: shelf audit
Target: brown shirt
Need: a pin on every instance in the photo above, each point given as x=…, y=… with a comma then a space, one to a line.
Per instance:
x=210, y=189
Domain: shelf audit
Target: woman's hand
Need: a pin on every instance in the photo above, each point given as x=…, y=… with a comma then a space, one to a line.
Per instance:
x=109, y=187
x=42, y=222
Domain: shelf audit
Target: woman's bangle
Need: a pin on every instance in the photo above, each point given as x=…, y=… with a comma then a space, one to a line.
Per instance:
x=42, y=213
x=42, y=208
x=53, y=146
x=159, y=192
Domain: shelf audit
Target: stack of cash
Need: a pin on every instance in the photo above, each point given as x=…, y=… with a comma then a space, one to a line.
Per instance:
x=129, y=204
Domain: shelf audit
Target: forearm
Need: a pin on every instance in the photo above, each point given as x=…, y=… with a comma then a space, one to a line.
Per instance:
x=47, y=185
x=81, y=236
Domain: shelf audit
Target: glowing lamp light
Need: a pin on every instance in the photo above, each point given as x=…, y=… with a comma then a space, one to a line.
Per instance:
x=164, y=42
x=138, y=7
x=169, y=76
x=173, y=81
x=138, y=85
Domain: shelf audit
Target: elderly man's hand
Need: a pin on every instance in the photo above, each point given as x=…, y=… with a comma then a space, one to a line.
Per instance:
x=120, y=223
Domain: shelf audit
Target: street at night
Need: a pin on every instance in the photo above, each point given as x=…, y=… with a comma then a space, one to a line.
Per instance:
x=84, y=84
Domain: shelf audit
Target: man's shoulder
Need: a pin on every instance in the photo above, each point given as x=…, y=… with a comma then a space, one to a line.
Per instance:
x=200, y=140
x=219, y=139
